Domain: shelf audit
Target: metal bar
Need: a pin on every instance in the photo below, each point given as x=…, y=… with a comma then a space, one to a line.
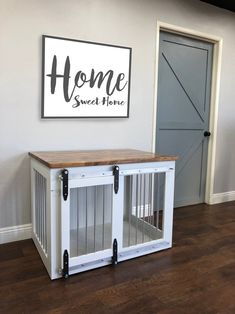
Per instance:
x=41, y=184
x=36, y=200
x=40, y=209
x=95, y=207
x=152, y=201
x=111, y=205
x=162, y=213
x=86, y=236
x=46, y=215
x=103, y=217
x=140, y=220
x=144, y=203
x=130, y=210
x=77, y=208
x=149, y=198
x=38, y=204
x=136, y=208
x=158, y=196
x=43, y=213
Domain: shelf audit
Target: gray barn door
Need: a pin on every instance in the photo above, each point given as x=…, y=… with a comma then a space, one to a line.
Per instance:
x=184, y=83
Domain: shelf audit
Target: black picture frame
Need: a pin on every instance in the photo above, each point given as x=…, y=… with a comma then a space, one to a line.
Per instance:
x=95, y=98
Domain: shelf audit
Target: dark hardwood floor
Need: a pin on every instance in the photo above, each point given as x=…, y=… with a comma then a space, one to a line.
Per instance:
x=196, y=276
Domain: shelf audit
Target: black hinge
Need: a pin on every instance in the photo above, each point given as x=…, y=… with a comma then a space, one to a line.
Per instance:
x=65, y=177
x=65, y=271
x=116, y=178
x=115, y=252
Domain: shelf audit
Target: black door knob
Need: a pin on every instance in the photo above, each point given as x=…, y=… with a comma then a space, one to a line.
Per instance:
x=207, y=133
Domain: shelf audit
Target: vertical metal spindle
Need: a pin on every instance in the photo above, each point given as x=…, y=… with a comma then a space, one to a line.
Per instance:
x=158, y=196
x=42, y=211
x=36, y=201
x=77, y=209
x=136, y=208
x=46, y=215
x=40, y=208
x=43, y=214
x=86, y=231
x=103, y=220
x=111, y=208
x=161, y=213
x=141, y=204
x=130, y=210
x=39, y=203
x=44, y=222
x=144, y=203
x=150, y=199
x=95, y=207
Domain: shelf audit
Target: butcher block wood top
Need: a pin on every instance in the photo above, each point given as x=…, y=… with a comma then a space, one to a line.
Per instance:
x=62, y=159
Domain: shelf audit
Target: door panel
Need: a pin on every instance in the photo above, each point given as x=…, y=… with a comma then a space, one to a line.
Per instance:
x=190, y=74
x=143, y=209
x=183, y=111
x=90, y=219
x=174, y=93
x=87, y=220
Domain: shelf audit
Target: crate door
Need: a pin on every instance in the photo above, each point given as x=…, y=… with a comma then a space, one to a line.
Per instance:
x=86, y=220
x=145, y=207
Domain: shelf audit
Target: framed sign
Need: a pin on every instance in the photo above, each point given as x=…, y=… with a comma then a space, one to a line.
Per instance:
x=84, y=79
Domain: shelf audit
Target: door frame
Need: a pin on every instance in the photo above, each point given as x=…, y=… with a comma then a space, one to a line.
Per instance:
x=214, y=102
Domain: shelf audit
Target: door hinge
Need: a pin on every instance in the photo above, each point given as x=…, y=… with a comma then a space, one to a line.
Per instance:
x=65, y=271
x=116, y=178
x=65, y=178
x=115, y=252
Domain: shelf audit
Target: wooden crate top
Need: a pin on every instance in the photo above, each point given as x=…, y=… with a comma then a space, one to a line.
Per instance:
x=62, y=159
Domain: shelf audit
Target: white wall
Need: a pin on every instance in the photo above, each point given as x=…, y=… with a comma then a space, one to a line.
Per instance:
x=121, y=22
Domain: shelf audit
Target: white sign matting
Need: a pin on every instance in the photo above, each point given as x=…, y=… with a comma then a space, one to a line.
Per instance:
x=84, y=79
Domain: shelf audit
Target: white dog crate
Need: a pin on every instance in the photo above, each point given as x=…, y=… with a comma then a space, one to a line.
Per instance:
x=94, y=208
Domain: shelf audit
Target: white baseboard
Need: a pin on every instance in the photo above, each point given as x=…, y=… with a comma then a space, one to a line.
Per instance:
x=15, y=233
x=222, y=197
